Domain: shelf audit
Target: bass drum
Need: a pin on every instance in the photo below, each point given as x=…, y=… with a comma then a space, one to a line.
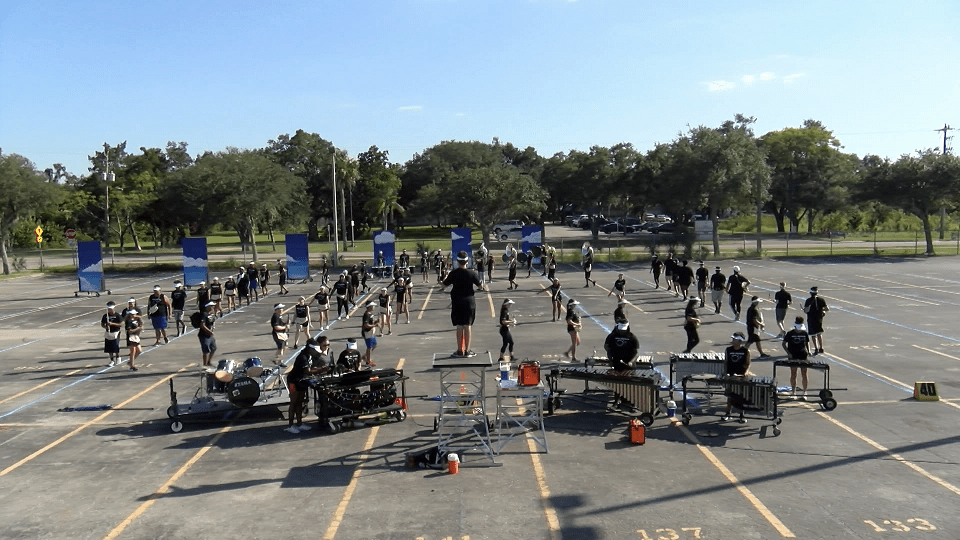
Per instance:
x=243, y=392
x=536, y=250
x=522, y=258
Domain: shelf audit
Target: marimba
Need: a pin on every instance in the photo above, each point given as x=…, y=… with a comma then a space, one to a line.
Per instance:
x=638, y=387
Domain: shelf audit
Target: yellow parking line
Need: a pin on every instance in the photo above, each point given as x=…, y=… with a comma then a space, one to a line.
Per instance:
x=166, y=486
x=747, y=494
x=41, y=451
x=549, y=512
x=936, y=479
x=924, y=349
x=351, y=487
x=424, y=306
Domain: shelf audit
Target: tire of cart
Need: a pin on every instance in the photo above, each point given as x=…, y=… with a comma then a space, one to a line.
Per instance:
x=171, y=413
x=400, y=415
x=333, y=427
x=829, y=404
x=646, y=419
x=686, y=419
x=176, y=426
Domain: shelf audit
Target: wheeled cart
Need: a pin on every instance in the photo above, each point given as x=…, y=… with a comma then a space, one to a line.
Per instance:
x=825, y=393
x=226, y=390
x=519, y=413
x=639, y=388
x=350, y=396
x=752, y=397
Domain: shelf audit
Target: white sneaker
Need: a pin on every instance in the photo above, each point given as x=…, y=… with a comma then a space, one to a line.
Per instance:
x=303, y=427
x=292, y=429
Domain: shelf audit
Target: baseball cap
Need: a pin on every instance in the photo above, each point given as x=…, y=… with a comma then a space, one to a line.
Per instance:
x=508, y=301
x=623, y=326
x=717, y=268
x=156, y=287
x=279, y=306
x=111, y=305
x=813, y=290
x=756, y=300
x=739, y=336
x=573, y=302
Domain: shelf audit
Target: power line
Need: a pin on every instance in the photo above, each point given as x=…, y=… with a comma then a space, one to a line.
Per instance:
x=945, y=129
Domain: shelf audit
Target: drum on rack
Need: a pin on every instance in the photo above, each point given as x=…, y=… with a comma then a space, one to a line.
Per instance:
x=225, y=369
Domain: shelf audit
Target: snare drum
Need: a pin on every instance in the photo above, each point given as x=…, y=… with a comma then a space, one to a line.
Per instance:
x=225, y=370
x=253, y=367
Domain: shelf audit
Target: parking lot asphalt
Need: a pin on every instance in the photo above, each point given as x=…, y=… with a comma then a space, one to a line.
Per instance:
x=86, y=450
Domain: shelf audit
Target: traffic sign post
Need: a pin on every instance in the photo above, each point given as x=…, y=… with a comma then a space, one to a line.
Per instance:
x=39, y=231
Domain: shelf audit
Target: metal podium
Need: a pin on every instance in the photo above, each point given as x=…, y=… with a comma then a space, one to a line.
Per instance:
x=462, y=423
x=520, y=412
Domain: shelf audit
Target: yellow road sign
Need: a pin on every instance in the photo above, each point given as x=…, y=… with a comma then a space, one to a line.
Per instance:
x=39, y=230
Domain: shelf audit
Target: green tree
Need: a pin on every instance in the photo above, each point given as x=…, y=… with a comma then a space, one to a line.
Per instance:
x=24, y=191
x=378, y=185
x=809, y=173
x=310, y=157
x=917, y=184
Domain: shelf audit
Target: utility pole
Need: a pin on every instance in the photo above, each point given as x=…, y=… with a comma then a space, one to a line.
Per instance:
x=943, y=209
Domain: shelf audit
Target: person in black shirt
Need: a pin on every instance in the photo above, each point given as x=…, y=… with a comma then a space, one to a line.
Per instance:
x=691, y=322
x=158, y=307
x=736, y=286
x=264, y=277
x=401, y=291
x=512, y=271
x=619, y=287
x=349, y=359
x=112, y=323
x=208, y=343
x=588, y=264
x=656, y=268
x=670, y=270
x=783, y=300
x=131, y=306
x=404, y=260
x=702, y=276
x=297, y=385
x=253, y=278
x=282, y=277
x=178, y=301
x=737, y=359
x=573, y=328
x=815, y=308
x=797, y=344
x=230, y=291
x=203, y=296
x=506, y=321
x=755, y=325
x=364, y=276
x=133, y=326
x=684, y=279
x=340, y=290
x=368, y=331
x=718, y=285
x=216, y=295
x=354, y=288
x=463, y=307
x=301, y=320
x=278, y=329
x=622, y=347
x=529, y=263
x=424, y=267
x=552, y=267
x=323, y=307
x=386, y=309
x=491, y=262
x=324, y=271
x=243, y=287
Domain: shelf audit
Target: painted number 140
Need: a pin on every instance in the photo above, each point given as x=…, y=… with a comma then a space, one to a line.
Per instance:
x=900, y=526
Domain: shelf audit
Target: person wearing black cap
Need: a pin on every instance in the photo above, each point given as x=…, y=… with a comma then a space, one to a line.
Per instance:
x=755, y=325
x=691, y=322
x=463, y=307
x=737, y=359
x=349, y=359
x=656, y=268
x=112, y=323
x=506, y=321
x=178, y=301
x=736, y=286
x=718, y=285
x=815, y=308
x=368, y=330
x=797, y=344
x=702, y=276
x=573, y=328
x=158, y=307
x=208, y=343
x=278, y=329
x=296, y=382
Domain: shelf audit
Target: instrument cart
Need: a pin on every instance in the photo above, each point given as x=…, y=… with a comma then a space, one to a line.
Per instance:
x=825, y=393
x=752, y=397
x=339, y=398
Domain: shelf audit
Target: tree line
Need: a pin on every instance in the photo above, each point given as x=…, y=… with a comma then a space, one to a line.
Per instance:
x=795, y=174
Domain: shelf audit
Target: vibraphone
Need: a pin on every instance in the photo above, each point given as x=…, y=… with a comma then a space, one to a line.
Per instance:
x=825, y=393
x=639, y=387
x=754, y=397
x=362, y=393
x=683, y=365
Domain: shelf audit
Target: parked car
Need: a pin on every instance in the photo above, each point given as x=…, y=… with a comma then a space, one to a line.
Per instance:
x=500, y=227
x=513, y=233
x=664, y=219
x=645, y=226
x=665, y=228
x=614, y=227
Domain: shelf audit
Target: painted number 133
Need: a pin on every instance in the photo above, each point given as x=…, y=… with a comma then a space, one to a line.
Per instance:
x=901, y=526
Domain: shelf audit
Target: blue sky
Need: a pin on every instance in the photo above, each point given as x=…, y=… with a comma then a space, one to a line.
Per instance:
x=407, y=74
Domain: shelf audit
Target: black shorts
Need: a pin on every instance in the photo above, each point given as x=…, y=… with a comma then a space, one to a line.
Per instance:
x=753, y=338
x=814, y=326
x=463, y=311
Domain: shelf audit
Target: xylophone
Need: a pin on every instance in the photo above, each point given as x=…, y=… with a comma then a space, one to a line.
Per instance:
x=683, y=365
x=753, y=396
x=638, y=387
x=825, y=393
